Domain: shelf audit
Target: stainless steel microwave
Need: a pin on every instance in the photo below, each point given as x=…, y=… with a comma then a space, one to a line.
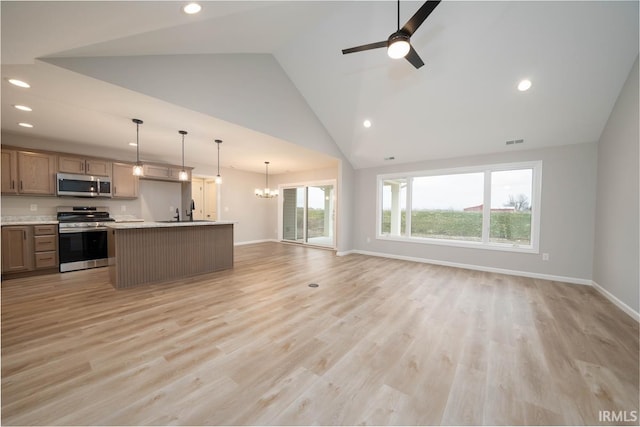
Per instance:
x=83, y=185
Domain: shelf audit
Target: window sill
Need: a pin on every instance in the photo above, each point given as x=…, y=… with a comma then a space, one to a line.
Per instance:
x=462, y=244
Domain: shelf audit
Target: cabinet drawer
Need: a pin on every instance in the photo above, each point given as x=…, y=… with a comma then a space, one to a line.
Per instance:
x=44, y=243
x=46, y=259
x=41, y=230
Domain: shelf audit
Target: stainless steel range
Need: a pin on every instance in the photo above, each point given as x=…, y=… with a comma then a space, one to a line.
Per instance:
x=82, y=237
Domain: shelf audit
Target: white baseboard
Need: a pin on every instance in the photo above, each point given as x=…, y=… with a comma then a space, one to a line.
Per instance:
x=621, y=305
x=251, y=242
x=344, y=253
x=565, y=279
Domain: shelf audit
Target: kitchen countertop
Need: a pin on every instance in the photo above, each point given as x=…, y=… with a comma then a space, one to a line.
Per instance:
x=28, y=220
x=152, y=224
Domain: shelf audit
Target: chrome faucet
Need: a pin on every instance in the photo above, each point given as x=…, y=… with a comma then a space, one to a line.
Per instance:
x=177, y=217
x=190, y=211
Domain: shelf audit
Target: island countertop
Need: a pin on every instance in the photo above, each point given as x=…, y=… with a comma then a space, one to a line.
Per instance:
x=164, y=224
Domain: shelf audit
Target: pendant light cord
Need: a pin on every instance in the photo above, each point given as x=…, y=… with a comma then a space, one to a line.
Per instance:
x=266, y=178
x=137, y=143
x=398, y=15
x=183, y=151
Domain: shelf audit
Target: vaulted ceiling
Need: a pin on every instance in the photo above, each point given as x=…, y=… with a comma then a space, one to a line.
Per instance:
x=95, y=65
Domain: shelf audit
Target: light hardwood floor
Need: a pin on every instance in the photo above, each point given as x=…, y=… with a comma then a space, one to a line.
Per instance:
x=378, y=342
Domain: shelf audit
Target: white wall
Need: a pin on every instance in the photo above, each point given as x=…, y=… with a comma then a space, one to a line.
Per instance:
x=567, y=215
x=617, y=253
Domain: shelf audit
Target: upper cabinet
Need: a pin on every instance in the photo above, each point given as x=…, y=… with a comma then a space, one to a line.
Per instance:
x=80, y=165
x=124, y=183
x=36, y=173
x=9, y=172
x=163, y=172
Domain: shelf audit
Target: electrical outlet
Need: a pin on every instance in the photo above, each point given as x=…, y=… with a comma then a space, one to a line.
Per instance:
x=123, y=208
x=172, y=209
x=33, y=207
x=368, y=239
x=545, y=256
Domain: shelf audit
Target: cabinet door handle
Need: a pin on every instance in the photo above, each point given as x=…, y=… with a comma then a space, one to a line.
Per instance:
x=24, y=234
x=13, y=184
x=88, y=167
x=21, y=184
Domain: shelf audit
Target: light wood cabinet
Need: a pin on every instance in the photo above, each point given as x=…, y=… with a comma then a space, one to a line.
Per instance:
x=17, y=249
x=124, y=183
x=163, y=173
x=36, y=173
x=27, y=248
x=9, y=172
x=45, y=246
x=80, y=165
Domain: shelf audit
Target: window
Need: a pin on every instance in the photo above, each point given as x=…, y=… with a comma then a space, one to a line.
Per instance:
x=493, y=207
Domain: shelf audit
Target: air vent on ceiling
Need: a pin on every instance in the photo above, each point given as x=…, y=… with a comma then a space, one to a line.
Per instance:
x=515, y=141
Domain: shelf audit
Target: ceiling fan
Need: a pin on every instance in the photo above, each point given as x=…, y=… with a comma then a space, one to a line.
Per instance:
x=398, y=44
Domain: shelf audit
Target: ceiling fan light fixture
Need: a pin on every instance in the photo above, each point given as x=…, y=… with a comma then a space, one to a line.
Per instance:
x=398, y=46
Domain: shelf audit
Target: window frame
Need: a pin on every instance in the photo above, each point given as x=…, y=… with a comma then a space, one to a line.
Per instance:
x=485, y=243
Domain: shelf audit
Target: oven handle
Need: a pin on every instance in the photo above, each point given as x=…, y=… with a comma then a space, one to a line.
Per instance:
x=81, y=230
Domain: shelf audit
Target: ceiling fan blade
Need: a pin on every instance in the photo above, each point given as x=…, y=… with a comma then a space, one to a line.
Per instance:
x=364, y=47
x=418, y=18
x=414, y=58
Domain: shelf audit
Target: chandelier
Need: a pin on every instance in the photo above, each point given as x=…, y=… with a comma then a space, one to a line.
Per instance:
x=266, y=192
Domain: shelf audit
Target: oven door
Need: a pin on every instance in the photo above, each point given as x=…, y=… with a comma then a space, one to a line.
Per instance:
x=82, y=248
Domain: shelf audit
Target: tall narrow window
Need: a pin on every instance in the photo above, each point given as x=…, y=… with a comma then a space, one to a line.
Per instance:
x=394, y=201
x=510, y=218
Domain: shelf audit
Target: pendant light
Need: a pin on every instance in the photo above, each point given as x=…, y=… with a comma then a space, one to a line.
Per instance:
x=137, y=168
x=266, y=193
x=218, y=177
x=183, y=175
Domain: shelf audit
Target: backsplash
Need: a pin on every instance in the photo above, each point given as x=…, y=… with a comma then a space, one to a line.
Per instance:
x=154, y=204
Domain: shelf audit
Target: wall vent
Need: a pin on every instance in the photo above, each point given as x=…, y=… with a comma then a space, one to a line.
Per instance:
x=515, y=141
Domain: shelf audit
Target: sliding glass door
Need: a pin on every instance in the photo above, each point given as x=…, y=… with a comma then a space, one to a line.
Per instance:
x=308, y=214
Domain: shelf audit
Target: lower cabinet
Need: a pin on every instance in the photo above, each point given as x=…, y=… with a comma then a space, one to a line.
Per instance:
x=45, y=246
x=17, y=249
x=28, y=248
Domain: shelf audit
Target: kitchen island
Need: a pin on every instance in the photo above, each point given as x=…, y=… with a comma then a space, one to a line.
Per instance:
x=154, y=252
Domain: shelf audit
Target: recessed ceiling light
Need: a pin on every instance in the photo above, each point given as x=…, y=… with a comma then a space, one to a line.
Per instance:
x=133, y=144
x=367, y=123
x=524, y=85
x=19, y=83
x=23, y=107
x=25, y=125
x=390, y=158
x=192, y=8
